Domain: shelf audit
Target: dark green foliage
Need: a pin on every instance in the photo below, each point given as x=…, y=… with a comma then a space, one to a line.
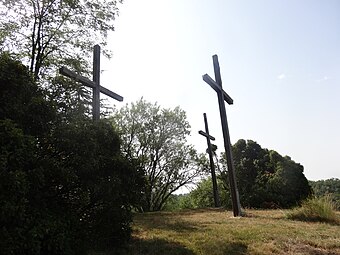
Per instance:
x=14, y=185
x=21, y=100
x=266, y=179
x=64, y=186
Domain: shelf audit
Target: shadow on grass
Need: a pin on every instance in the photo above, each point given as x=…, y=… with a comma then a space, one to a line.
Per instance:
x=163, y=247
x=166, y=222
x=236, y=248
x=156, y=246
x=224, y=247
x=275, y=214
x=201, y=210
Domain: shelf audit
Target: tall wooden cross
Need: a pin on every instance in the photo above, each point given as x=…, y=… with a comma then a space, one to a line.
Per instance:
x=223, y=96
x=212, y=165
x=94, y=84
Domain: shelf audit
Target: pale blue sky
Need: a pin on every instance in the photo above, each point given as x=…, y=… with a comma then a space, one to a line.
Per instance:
x=280, y=62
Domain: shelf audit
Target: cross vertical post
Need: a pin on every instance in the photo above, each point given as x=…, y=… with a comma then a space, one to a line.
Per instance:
x=211, y=160
x=96, y=80
x=223, y=96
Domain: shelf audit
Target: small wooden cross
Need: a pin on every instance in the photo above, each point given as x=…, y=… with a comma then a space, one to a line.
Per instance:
x=95, y=84
x=222, y=95
x=212, y=165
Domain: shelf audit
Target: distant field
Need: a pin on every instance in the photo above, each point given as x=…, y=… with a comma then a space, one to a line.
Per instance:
x=215, y=232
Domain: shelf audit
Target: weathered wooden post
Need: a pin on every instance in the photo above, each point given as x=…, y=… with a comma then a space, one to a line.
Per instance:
x=222, y=95
x=96, y=80
x=95, y=84
x=211, y=160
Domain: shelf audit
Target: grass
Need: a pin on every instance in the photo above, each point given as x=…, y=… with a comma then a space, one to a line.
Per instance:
x=320, y=209
x=215, y=232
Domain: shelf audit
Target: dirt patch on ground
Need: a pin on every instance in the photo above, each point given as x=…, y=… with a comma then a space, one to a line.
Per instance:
x=305, y=249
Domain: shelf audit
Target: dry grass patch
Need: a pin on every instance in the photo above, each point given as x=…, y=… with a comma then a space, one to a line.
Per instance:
x=320, y=209
x=215, y=232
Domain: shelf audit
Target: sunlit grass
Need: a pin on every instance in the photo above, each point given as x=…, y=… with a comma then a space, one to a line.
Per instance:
x=215, y=232
x=320, y=209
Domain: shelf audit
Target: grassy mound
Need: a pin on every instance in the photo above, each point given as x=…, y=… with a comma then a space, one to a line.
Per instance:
x=320, y=209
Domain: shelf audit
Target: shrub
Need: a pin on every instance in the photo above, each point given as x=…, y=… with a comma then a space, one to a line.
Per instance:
x=65, y=188
x=321, y=209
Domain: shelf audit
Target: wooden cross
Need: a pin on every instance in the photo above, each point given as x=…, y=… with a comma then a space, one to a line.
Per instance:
x=222, y=95
x=212, y=165
x=95, y=84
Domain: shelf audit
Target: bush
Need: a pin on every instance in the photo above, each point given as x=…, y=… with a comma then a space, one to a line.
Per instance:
x=266, y=179
x=65, y=188
x=321, y=209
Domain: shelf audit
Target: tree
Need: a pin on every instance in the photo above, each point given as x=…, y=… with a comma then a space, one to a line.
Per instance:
x=202, y=197
x=157, y=138
x=249, y=159
x=47, y=34
x=288, y=185
x=177, y=202
x=265, y=178
x=64, y=185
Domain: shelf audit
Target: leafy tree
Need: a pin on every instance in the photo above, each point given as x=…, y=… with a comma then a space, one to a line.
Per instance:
x=64, y=185
x=202, y=195
x=50, y=33
x=265, y=178
x=249, y=160
x=157, y=138
x=178, y=202
x=288, y=185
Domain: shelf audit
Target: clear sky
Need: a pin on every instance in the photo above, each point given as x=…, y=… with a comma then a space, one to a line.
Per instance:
x=280, y=62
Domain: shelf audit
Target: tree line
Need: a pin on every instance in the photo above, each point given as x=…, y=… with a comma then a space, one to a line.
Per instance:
x=329, y=187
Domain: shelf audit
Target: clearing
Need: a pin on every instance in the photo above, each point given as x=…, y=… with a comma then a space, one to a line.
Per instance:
x=215, y=232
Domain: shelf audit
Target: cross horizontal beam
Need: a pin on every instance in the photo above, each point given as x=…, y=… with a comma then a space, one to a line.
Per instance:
x=87, y=82
x=206, y=135
x=217, y=88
